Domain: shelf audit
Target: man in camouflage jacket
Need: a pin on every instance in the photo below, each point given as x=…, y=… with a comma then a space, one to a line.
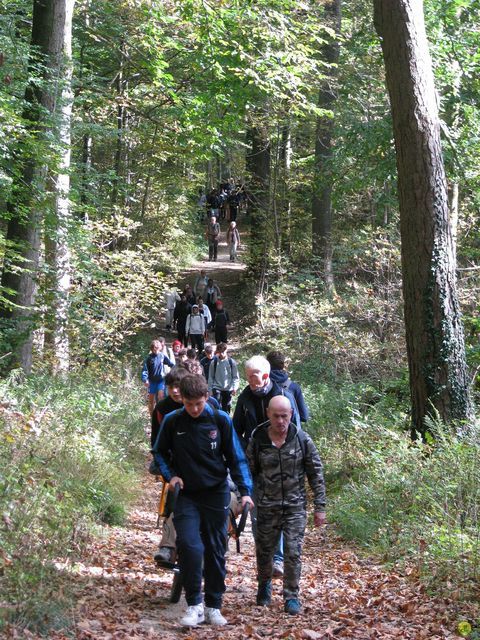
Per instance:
x=280, y=455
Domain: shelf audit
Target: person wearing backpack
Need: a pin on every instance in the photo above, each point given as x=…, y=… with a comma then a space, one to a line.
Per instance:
x=220, y=322
x=251, y=411
x=153, y=373
x=207, y=359
x=213, y=236
x=211, y=294
x=223, y=378
x=200, y=283
x=279, y=375
x=195, y=328
x=195, y=448
x=173, y=401
x=280, y=455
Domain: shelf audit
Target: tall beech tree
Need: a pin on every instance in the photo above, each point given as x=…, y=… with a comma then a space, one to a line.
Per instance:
x=434, y=333
x=57, y=250
x=28, y=198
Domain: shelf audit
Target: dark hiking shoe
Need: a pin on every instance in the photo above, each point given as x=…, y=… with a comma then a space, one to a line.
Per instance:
x=277, y=569
x=264, y=593
x=164, y=557
x=293, y=606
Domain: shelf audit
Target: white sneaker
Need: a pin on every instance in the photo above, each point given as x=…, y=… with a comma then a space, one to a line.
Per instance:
x=193, y=615
x=213, y=616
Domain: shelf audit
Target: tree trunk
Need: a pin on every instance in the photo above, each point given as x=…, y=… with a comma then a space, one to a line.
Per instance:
x=322, y=245
x=28, y=192
x=86, y=166
x=258, y=167
x=121, y=116
x=285, y=204
x=258, y=163
x=435, y=342
x=58, y=249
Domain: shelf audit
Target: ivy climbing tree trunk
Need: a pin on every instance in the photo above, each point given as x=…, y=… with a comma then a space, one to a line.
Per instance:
x=322, y=245
x=434, y=332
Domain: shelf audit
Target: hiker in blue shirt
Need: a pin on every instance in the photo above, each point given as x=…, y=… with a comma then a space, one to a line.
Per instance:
x=153, y=373
x=196, y=447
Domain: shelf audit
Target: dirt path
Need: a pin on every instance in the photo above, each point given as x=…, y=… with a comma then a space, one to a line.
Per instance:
x=121, y=594
x=228, y=275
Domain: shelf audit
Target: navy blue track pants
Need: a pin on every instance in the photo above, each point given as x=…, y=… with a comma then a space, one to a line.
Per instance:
x=201, y=524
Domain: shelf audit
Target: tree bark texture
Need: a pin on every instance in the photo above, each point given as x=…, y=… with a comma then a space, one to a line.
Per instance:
x=60, y=267
x=434, y=332
x=258, y=167
x=28, y=191
x=322, y=180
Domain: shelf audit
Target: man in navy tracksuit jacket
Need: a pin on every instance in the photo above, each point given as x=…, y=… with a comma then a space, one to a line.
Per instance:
x=195, y=448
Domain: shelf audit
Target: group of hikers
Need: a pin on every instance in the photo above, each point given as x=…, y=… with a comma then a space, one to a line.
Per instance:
x=222, y=204
x=224, y=201
x=262, y=452
x=259, y=457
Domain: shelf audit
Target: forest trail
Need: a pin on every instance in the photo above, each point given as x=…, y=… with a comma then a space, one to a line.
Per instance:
x=228, y=275
x=120, y=593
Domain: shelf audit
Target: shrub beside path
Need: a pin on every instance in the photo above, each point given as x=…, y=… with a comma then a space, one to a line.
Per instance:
x=119, y=593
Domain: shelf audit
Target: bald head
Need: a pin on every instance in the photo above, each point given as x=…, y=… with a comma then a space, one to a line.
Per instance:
x=280, y=403
x=279, y=412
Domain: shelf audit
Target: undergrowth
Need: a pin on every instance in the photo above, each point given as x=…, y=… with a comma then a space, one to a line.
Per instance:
x=69, y=455
x=414, y=504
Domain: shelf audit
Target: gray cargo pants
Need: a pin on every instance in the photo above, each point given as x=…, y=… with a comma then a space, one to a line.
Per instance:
x=270, y=524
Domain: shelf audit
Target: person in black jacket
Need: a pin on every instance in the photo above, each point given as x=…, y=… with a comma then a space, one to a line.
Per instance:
x=220, y=322
x=280, y=375
x=251, y=408
x=251, y=411
x=180, y=314
x=167, y=546
x=195, y=449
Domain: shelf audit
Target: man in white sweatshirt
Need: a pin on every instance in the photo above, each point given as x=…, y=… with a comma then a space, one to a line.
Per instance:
x=195, y=329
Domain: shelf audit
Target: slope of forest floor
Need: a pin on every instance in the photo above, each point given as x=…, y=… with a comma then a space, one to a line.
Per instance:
x=119, y=593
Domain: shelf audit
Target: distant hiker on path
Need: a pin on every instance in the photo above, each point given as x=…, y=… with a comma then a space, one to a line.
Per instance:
x=213, y=236
x=171, y=298
x=195, y=329
x=180, y=315
x=211, y=294
x=233, y=240
x=200, y=283
x=220, y=322
x=280, y=455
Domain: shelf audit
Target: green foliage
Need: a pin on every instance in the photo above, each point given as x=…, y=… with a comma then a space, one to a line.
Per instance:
x=412, y=503
x=69, y=453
